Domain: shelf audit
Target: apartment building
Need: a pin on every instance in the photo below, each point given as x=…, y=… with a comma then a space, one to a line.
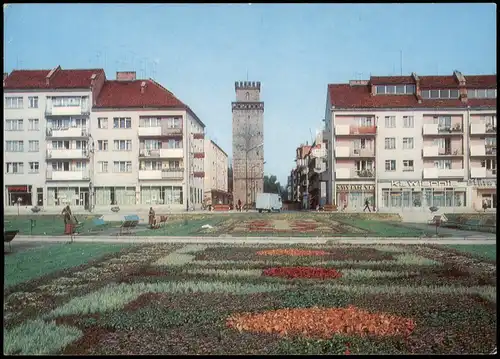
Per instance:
x=412, y=142
x=301, y=175
x=216, y=174
x=46, y=133
x=123, y=142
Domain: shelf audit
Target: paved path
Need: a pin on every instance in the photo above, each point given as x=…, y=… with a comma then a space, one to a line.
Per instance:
x=236, y=240
x=447, y=231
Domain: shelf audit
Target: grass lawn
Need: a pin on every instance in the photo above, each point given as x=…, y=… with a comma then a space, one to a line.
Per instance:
x=36, y=262
x=260, y=299
x=480, y=250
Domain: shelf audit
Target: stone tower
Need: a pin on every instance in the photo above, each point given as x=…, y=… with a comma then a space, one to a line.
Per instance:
x=248, y=142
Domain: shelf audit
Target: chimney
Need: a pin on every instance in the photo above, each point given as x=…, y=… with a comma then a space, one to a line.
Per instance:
x=418, y=93
x=52, y=72
x=143, y=86
x=92, y=80
x=460, y=78
x=125, y=76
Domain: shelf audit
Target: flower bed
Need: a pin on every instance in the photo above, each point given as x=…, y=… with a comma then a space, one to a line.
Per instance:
x=291, y=252
x=302, y=272
x=322, y=323
x=304, y=226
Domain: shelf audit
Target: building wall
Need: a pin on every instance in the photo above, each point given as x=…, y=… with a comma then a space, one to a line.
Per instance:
x=36, y=180
x=216, y=164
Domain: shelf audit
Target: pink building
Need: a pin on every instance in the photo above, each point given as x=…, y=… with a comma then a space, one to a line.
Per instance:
x=406, y=143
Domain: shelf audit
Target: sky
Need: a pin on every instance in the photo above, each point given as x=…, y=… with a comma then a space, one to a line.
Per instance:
x=198, y=51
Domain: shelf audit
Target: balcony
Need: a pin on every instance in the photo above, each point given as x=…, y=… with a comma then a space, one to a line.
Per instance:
x=434, y=151
x=199, y=174
x=198, y=136
x=166, y=173
x=199, y=155
x=482, y=172
x=67, y=132
x=432, y=173
x=162, y=153
x=482, y=129
x=302, y=162
x=433, y=129
x=68, y=175
x=67, y=154
x=159, y=131
x=348, y=152
x=67, y=111
x=482, y=150
x=352, y=173
x=350, y=130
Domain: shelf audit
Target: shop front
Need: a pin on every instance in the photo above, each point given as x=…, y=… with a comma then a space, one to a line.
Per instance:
x=421, y=195
x=352, y=197
x=484, y=194
x=19, y=195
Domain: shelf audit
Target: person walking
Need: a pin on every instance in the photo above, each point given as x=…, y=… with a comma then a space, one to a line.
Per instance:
x=239, y=205
x=367, y=206
x=151, y=217
x=68, y=220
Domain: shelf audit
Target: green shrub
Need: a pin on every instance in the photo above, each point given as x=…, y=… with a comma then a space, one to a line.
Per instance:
x=116, y=296
x=36, y=337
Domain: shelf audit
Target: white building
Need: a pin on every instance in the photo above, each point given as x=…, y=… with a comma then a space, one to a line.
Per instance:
x=216, y=166
x=406, y=143
x=124, y=142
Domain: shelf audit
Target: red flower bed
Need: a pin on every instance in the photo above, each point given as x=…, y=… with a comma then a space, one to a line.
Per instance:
x=302, y=272
x=291, y=252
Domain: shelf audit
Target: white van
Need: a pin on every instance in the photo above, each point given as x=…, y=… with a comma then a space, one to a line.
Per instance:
x=269, y=202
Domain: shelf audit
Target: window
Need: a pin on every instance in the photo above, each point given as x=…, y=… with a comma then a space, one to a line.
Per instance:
x=15, y=168
x=489, y=164
x=390, y=121
x=410, y=89
x=407, y=143
x=122, y=122
x=444, y=123
x=33, y=146
x=60, y=166
x=390, y=90
x=33, y=125
x=364, y=121
x=390, y=165
x=380, y=90
x=151, y=144
x=173, y=164
x=33, y=102
x=400, y=89
x=174, y=143
x=14, y=146
x=122, y=166
x=247, y=96
x=408, y=122
x=13, y=102
x=149, y=122
x=443, y=164
x=151, y=166
x=102, y=166
x=407, y=165
x=390, y=143
x=34, y=167
x=66, y=101
x=60, y=145
x=102, y=122
x=440, y=94
x=491, y=93
x=102, y=145
x=490, y=141
x=14, y=125
x=123, y=145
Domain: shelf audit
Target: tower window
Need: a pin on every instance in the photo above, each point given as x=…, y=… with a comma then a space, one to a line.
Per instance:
x=247, y=96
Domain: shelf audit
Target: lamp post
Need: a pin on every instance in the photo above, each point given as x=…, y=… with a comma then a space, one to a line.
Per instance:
x=247, y=151
x=254, y=180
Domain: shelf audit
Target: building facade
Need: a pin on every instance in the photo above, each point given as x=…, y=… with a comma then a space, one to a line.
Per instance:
x=124, y=142
x=248, y=142
x=216, y=174
x=406, y=143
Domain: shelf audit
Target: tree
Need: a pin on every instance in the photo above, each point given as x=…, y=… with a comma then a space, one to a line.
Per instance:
x=271, y=185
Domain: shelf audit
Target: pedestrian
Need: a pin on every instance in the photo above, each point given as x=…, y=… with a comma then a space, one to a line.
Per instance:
x=151, y=217
x=367, y=206
x=239, y=205
x=68, y=220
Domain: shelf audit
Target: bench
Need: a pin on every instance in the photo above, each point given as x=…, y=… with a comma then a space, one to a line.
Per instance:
x=129, y=224
x=330, y=208
x=471, y=224
x=98, y=223
x=8, y=236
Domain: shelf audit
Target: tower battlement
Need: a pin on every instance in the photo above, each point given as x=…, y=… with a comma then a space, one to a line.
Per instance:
x=247, y=85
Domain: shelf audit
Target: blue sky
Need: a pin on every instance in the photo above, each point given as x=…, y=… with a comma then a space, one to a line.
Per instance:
x=199, y=51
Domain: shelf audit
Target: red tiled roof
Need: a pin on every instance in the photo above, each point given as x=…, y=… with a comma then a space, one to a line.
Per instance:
x=60, y=79
x=481, y=81
x=391, y=80
x=127, y=94
x=347, y=96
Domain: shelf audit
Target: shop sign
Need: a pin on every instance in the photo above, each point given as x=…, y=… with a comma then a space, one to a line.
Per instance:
x=356, y=187
x=485, y=183
x=18, y=188
x=446, y=183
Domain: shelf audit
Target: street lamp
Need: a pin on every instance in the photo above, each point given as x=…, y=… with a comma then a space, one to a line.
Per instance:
x=254, y=180
x=247, y=151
